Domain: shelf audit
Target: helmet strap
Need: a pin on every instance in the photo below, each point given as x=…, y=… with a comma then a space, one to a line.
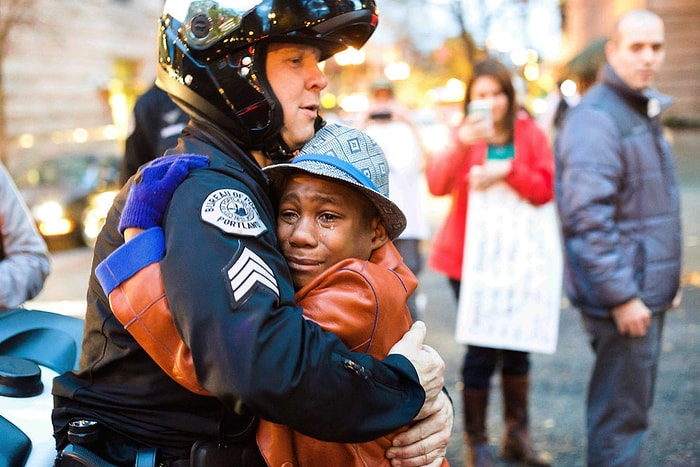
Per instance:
x=277, y=151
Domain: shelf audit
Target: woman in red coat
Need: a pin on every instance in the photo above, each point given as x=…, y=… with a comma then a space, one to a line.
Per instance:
x=506, y=145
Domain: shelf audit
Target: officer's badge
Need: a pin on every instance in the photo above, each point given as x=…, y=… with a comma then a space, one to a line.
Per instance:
x=233, y=212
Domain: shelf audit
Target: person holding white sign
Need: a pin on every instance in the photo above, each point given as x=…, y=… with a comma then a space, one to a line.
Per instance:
x=497, y=143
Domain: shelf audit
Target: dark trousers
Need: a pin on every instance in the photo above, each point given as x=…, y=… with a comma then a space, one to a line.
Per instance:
x=621, y=391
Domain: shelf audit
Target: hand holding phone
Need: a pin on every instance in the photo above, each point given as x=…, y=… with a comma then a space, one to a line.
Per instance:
x=480, y=109
x=478, y=126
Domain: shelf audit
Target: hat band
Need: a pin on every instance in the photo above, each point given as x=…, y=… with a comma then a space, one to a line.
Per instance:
x=350, y=169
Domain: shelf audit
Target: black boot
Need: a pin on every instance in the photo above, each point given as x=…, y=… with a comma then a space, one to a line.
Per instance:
x=474, y=407
x=516, y=444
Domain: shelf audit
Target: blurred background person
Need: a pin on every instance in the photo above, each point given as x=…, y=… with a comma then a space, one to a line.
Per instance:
x=156, y=123
x=389, y=124
x=505, y=146
x=24, y=257
x=576, y=77
x=619, y=204
x=585, y=67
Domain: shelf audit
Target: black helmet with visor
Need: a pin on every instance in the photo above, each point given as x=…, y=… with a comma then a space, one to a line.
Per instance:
x=211, y=55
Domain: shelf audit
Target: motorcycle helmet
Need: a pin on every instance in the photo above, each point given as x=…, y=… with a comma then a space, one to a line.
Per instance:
x=211, y=55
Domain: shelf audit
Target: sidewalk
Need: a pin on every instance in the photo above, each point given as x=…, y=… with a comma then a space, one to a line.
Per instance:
x=559, y=381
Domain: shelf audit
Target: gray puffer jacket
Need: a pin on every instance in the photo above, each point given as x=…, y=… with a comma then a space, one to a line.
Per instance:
x=618, y=200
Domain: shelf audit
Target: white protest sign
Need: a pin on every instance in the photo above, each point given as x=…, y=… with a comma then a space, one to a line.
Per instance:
x=511, y=275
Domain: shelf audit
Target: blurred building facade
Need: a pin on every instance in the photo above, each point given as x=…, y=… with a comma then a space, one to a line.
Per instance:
x=72, y=74
x=587, y=20
x=70, y=78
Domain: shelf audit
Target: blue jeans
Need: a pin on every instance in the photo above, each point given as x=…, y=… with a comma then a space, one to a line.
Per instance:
x=620, y=391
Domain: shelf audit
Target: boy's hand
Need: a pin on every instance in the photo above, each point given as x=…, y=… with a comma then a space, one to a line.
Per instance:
x=152, y=188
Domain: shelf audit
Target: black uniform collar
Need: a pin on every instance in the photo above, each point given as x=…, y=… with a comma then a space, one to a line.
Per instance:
x=230, y=149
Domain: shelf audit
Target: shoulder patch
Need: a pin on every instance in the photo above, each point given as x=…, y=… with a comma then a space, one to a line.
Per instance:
x=233, y=212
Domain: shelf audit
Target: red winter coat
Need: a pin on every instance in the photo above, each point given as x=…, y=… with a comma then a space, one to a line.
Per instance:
x=532, y=176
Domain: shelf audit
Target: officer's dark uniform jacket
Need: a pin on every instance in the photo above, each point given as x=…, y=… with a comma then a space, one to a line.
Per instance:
x=231, y=297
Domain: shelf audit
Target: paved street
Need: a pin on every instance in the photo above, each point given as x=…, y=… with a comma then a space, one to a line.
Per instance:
x=559, y=385
x=559, y=380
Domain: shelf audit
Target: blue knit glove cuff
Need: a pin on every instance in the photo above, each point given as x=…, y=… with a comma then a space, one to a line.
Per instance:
x=153, y=187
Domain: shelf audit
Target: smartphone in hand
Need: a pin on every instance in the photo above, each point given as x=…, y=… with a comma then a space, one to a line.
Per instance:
x=480, y=109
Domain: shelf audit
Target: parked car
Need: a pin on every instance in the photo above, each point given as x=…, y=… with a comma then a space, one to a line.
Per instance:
x=69, y=195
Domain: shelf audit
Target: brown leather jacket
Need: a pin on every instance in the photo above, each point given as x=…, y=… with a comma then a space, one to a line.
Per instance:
x=363, y=303
x=144, y=312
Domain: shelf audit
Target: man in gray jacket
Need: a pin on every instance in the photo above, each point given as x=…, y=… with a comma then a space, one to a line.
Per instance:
x=618, y=200
x=24, y=258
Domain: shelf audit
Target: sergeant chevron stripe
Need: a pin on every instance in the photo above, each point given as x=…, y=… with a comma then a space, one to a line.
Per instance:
x=249, y=270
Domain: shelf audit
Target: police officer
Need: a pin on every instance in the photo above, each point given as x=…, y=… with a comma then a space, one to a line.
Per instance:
x=248, y=77
x=157, y=124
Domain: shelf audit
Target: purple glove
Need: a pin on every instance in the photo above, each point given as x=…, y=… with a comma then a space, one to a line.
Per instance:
x=153, y=187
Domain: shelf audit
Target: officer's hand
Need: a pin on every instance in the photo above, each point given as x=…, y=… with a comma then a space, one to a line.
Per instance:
x=152, y=188
x=425, y=442
x=427, y=362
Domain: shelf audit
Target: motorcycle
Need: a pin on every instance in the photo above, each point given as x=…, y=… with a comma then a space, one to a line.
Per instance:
x=35, y=347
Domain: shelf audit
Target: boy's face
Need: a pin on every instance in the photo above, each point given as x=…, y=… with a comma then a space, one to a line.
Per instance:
x=321, y=222
x=297, y=81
